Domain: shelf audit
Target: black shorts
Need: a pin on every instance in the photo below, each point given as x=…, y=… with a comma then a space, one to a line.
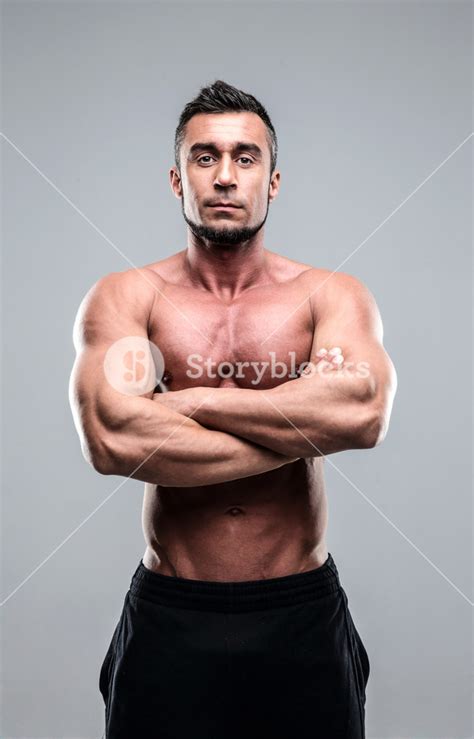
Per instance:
x=278, y=658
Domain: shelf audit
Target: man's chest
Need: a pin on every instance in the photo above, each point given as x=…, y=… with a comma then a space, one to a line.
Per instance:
x=257, y=341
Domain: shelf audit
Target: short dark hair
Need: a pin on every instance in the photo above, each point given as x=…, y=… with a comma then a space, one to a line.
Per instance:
x=221, y=97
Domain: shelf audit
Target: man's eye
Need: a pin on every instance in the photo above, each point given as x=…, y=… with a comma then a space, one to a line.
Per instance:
x=208, y=156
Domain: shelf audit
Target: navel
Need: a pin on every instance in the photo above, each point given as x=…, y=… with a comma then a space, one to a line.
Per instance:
x=235, y=511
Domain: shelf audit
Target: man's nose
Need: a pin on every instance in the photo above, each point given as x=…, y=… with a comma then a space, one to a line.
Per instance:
x=225, y=175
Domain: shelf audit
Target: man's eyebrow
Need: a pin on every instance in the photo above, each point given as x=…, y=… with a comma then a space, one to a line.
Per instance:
x=237, y=146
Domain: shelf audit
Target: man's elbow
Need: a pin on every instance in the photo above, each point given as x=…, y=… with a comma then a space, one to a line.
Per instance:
x=108, y=456
x=96, y=452
x=103, y=466
x=375, y=403
x=373, y=427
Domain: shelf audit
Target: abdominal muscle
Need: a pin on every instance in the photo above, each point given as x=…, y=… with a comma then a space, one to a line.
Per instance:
x=268, y=525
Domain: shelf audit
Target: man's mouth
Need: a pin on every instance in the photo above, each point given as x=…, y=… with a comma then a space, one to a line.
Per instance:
x=225, y=206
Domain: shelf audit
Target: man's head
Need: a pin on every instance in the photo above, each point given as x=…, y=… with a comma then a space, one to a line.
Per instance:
x=225, y=151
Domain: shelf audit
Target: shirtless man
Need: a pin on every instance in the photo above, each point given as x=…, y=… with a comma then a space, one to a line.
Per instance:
x=235, y=621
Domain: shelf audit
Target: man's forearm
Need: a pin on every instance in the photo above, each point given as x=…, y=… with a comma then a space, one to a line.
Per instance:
x=161, y=446
x=304, y=417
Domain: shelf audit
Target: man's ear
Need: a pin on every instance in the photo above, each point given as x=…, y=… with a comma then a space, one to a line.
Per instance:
x=274, y=185
x=175, y=182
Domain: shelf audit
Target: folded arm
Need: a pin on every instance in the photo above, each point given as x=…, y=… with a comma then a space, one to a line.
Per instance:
x=322, y=412
x=130, y=435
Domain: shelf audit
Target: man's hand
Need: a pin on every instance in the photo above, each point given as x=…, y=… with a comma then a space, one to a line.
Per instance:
x=326, y=360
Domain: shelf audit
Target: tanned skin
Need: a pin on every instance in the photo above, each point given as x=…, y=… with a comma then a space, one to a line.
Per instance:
x=233, y=467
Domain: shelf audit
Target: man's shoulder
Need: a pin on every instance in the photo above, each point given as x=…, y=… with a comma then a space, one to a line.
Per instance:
x=130, y=282
x=135, y=287
x=328, y=290
x=332, y=281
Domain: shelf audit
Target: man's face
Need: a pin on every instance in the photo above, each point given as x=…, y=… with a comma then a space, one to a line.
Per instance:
x=225, y=157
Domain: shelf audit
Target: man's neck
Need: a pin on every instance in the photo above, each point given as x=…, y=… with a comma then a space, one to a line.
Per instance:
x=226, y=271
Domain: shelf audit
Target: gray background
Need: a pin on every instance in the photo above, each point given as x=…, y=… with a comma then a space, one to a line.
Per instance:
x=367, y=99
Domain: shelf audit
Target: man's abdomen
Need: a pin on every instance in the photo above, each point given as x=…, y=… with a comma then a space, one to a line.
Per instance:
x=251, y=533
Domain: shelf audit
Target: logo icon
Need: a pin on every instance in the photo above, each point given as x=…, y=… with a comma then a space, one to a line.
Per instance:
x=134, y=365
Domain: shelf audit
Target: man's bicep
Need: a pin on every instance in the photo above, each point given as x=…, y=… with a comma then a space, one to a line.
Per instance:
x=112, y=317
x=347, y=316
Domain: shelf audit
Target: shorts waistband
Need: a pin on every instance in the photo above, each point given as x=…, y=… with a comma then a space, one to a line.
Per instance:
x=242, y=595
